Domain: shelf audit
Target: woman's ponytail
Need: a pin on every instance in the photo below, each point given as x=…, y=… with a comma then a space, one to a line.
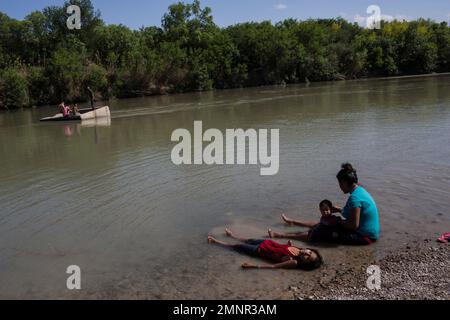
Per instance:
x=347, y=174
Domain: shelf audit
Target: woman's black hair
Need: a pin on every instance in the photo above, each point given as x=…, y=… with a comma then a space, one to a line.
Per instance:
x=327, y=203
x=310, y=265
x=347, y=174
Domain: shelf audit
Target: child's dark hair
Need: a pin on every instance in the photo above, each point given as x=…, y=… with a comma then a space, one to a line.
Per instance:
x=310, y=265
x=326, y=202
x=347, y=174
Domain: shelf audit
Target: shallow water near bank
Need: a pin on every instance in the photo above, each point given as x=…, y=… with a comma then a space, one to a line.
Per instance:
x=106, y=197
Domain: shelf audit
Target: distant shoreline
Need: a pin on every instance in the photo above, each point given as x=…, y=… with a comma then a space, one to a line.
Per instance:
x=45, y=62
x=425, y=75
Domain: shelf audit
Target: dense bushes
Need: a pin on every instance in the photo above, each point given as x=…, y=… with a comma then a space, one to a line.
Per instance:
x=41, y=61
x=38, y=86
x=13, y=88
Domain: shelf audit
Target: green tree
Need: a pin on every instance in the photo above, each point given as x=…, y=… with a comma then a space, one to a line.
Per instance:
x=36, y=39
x=65, y=72
x=96, y=77
x=113, y=44
x=39, y=86
x=442, y=34
x=13, y=88
x=419, y=53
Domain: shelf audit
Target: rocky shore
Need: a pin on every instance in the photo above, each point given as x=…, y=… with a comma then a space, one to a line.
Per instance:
x=418, y=272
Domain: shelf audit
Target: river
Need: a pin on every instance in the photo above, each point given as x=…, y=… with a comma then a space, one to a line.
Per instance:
x=107, y=197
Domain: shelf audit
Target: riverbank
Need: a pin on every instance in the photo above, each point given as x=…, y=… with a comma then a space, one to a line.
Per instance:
x=158, y=92
x=417, y=272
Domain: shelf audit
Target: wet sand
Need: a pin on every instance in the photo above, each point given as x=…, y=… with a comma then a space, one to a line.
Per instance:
x=419, y=270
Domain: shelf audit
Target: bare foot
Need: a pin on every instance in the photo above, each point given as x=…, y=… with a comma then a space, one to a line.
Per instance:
x=211, y=240
x=271, y=234
x=228, y=232
x=286, y=219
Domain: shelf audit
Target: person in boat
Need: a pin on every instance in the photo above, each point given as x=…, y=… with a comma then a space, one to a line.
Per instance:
x=64, y=109
x=283, y=256
x=74, y=110
x=61, y=108
x=360, y=224
x=91, y=97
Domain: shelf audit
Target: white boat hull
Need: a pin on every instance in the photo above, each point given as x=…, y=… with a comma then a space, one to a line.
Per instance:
x=97, y=113
x=85, y=114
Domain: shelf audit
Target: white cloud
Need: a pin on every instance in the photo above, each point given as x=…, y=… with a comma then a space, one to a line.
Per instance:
x=399, y=17
x=280, y=6
x=362, y=20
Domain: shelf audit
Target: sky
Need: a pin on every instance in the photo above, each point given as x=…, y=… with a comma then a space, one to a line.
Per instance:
x=137, y=13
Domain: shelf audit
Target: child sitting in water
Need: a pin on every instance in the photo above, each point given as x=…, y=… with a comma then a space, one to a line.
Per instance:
x=317, y=229
x=285, y=256
x=327, y=218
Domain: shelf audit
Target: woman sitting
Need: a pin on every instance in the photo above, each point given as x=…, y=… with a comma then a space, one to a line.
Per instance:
x=360, y=224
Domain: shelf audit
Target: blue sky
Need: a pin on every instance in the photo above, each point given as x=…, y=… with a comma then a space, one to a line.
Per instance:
x=135, y=13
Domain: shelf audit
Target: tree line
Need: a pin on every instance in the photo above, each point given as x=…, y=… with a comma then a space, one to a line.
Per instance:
x=43, y=62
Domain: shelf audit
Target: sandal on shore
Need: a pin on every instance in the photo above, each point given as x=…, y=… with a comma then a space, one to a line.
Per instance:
x=445, y=238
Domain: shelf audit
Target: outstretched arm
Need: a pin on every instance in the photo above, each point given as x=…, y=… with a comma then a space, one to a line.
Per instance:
x=301, y=236
x=290, y=264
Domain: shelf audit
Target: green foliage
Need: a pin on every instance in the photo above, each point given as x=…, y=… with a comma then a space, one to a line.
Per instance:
x=65, y=71
x=113, y=44
x=442, y=34
x=36, y=39
x=13, y=88
x=42, y=61
x=96, y=77
x=38, y=86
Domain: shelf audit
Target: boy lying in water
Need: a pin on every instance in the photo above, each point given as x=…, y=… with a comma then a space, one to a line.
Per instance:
x=285, y=256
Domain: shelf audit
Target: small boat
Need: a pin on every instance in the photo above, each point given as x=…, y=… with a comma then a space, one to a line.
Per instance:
x=84, y=114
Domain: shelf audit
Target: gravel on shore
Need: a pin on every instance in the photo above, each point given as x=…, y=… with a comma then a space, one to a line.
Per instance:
x=419, y=272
